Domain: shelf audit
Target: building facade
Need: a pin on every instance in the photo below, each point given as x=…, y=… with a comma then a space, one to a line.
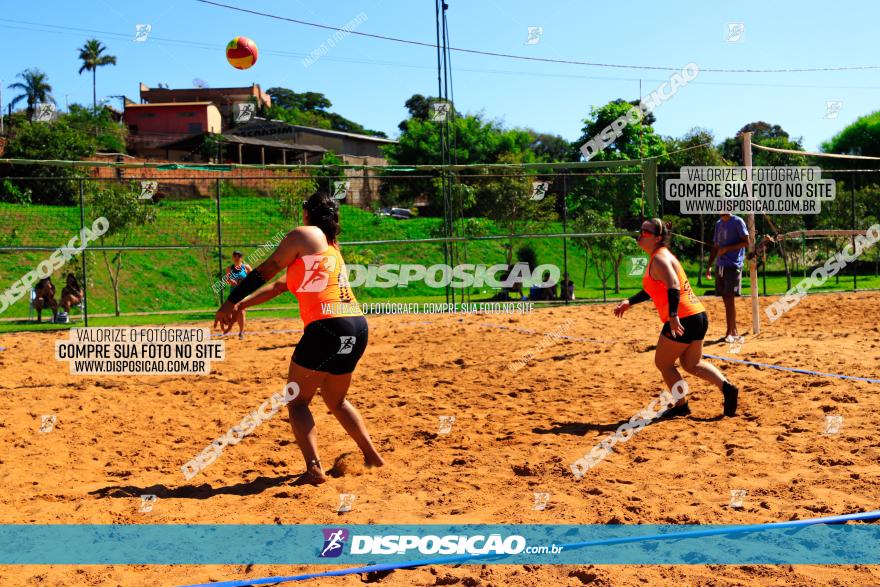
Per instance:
x=223, y=98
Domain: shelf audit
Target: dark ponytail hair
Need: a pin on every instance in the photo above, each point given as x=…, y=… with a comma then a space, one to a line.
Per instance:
x=661, y=229
x=324, y=213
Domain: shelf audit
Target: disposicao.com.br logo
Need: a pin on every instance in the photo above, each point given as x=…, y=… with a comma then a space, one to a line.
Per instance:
x=393, y=544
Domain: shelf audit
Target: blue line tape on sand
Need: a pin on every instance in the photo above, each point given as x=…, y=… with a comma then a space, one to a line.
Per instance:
x=793, y=370
x=717, y=357
x=859, y=516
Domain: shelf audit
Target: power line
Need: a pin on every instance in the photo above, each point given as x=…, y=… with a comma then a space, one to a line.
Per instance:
x=537, y=59
x=73, y=31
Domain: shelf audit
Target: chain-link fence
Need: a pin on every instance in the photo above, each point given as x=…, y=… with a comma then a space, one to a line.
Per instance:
x=170, y=238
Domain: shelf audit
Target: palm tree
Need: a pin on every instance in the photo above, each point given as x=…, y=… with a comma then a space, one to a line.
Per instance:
x=92, y=58
x=36, y=89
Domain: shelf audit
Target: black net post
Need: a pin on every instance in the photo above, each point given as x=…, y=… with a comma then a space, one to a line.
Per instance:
x=219, y=242
x=82, y=225
x=564, y=290
x=852, y=192
x=764, y=264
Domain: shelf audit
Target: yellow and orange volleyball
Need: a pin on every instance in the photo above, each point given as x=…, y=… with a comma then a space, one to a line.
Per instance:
x=241, y=53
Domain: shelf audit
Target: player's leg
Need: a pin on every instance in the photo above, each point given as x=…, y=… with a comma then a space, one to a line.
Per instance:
x=668, y=351
x=730, y=314
x=333, y=392
x=692, y=362
x=53, y=304
x=241, y=323
x=301, y=419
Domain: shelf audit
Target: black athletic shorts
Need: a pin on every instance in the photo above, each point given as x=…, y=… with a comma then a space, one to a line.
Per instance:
x=332, y=345
x=695, y=328
x=728, y=281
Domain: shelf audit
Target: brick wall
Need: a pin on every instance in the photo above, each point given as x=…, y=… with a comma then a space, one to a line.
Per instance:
x=188, y=183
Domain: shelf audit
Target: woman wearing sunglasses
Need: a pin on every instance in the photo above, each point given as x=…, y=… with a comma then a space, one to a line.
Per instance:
x=684, y=317
x=335, y=334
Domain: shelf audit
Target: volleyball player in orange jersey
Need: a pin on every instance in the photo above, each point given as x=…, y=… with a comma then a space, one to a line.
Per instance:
x=684, y=317
x=335, y=334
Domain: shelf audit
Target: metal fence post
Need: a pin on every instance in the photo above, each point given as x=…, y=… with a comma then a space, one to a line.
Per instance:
x=567, y=277
x=220, y=243
x=82, y=225
x=852, y=188
x=764, y=264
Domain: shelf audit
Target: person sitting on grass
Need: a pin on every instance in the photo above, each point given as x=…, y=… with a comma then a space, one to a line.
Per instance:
x=45, y=298
x=72, y=294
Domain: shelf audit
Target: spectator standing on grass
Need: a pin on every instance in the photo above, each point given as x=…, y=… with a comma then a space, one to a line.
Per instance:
x=235, y=274
x=728, y=251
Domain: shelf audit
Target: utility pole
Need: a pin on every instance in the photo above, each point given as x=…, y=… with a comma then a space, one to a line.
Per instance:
x=2, y=132
x=753, y=264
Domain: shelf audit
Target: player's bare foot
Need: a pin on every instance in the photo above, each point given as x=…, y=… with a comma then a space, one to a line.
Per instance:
x=374, y=461
x=314, y=474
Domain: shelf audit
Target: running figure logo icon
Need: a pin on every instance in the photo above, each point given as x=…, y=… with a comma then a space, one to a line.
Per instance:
x=346, y=500
x=735, y=32
x=47, y=423
x=832, y=109
x=341, y=189
x=317, y=273
x=639, y=264
x=833, y=423
x=736, y=497
x=535, y=34
x=244, y=111
x=148, y=190
x=539, y=190
x=334, y=541
x=541, y=501
x=141, y=32
x=147, y=501
x=446, y=423
x=346, y=345
x=439, y=111
x=44, y=112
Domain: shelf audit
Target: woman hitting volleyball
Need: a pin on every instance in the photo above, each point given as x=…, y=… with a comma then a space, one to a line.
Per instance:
x=336, y=331
x=684, y=317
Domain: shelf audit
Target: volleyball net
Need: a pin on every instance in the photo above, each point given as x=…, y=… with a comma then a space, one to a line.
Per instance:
x=173, y=228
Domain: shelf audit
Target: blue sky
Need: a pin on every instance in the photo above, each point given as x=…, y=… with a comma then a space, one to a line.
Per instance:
x=368, y=80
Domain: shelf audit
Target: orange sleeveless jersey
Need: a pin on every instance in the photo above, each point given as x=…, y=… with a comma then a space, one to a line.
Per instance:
x=688, y=306
x=321, y=287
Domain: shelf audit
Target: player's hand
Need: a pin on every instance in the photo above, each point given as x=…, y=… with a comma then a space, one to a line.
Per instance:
x=708, y=273
x=675, y=326
x=236, y=313
x=621, y=308
x=225, y=316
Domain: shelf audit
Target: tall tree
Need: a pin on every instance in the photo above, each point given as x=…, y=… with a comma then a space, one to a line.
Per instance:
x=419, y=107
x=769, y=135
x=35, y=87
x=635, y=141
x=549, y=148
x=93, y=57
x=310, y=109
x=126, y=215
x=862, y=137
